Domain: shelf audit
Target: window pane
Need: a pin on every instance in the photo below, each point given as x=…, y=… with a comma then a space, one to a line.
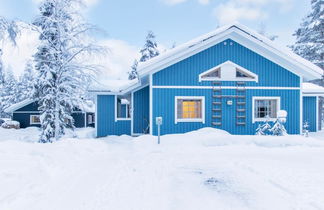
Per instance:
x=265, y=108
x=189, y=109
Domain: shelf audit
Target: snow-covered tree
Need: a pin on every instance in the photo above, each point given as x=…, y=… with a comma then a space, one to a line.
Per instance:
x=310, y=36
x=26, y=83
x=278, y=129
x=62, y=74
x=262, y=30
x=263, y=129
x=150, y=48
x=1, y=70
x=133, y=73
x=8, y=92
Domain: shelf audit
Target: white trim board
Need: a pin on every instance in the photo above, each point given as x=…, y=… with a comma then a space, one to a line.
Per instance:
x=202, y=120
x=151, y=104
x=265, y=98
x=227, y=87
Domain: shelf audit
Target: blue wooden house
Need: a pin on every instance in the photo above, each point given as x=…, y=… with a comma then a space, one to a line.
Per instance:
x=27, y=114
x=232, y=79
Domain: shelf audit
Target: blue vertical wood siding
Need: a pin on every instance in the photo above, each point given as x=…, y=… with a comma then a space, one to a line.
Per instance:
x=24, y=119
x=185, y=72
x=309, y=112
x=106, y=124
x=164, y=105
x=141, y=109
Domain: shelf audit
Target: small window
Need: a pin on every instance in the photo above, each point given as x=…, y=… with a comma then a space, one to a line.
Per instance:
x=90, y=119
x=213, y=74
x=242, y=74
x=123, y=107
x=190, y=109
x=35, y=120
x=266, y=109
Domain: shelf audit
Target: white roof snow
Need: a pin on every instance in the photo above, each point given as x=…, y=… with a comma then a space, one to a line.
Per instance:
x=114, y=86
x=19, y=105
x=87, y=106
x=313, y=89
x=233, y=31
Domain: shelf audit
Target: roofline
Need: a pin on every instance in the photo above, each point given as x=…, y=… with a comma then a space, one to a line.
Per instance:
x=199, y=44
x=14, y=107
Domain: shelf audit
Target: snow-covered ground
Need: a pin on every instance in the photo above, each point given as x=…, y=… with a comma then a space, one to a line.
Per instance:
x=205, y=169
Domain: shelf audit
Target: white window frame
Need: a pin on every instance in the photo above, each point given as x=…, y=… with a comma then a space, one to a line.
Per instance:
x=125, y=118
x=232, y=77
x=201, y=120
x=254, y=98
x=31, y=121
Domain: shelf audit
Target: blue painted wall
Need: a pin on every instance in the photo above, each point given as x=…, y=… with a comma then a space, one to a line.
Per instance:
x=141, y=112
x=309, y=112
x=164, y=105
x=106, y=124
x=30, y=107
x=186, y=71
x=24, y=118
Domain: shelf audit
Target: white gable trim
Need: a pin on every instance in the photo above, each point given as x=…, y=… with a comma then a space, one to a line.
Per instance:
x=234, y=78
x=244, y=36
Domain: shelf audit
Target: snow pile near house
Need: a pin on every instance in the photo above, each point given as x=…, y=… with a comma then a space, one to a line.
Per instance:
x=205, y=169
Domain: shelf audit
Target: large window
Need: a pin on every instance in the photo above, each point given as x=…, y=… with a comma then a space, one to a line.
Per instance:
x=189, y=109
x=35, y=120
x=266, y=108
x=123, y=107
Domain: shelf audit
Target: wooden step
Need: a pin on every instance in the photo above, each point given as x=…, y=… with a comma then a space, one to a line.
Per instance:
x=240, y=123
x=217, y=116
x=241, y=110
x=216, y=110
x=240, y=83
x=241, y=117
x=216, y=123
x=217, y=103
x=240, y=103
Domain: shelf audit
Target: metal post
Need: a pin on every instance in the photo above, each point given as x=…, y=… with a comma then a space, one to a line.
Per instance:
x=159, y=134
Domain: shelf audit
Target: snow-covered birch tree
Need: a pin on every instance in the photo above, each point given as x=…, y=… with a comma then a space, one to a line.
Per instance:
x=62, y=75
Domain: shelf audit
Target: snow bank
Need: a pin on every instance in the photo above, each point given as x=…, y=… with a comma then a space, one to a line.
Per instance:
x=204, y=169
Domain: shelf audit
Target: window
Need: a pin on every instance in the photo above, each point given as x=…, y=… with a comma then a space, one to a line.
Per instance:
x=213, y=74
x=123, y=107
x=35, y=120
x=242, y=74
x=265, y=108
x=189, y=109
x=228, y=71
x=90, y=119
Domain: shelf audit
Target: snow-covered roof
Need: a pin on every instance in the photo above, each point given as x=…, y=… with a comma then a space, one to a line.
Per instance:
x=87, y=106
x=281, y=55
x=19, y=105
x=115, y=86
x=312, y=89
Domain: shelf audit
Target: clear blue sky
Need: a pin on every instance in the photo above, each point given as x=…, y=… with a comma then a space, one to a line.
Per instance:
x=178, y=20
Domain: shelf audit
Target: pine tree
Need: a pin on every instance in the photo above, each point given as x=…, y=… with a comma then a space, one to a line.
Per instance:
x=26, y=83
x=62, y=76
x=310, y=36
x=150, y=48
x=8, y=93
x=133, y=73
